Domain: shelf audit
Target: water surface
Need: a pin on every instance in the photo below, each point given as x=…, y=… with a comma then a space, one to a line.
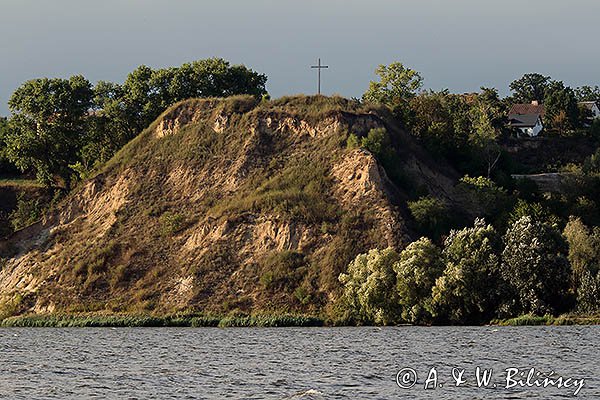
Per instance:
x=288, y=363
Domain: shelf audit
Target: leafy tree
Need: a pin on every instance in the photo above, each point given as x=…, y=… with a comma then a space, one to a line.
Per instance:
x=584, y=250
x=588, y=295
x=487, y=120
x=6, y=167
x=48, y=125
x=534, y=264
x=588, y=93
x=469, y=289
x=484, y=197
x=535, y=210
x=530, y=87
x=562, y=110
x=419, y=266
x=370, y=287
x=396, y=86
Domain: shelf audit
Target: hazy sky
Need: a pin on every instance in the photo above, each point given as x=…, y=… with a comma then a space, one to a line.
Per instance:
x=459, y=44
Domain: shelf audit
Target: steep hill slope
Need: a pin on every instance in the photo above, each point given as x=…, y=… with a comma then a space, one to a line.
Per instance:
x=221, y=205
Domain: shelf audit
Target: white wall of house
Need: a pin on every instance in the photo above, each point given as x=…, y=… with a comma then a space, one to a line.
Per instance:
x=595, y=111
x=533, y=131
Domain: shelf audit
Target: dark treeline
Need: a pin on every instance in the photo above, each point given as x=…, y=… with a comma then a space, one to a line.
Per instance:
x=61, y=129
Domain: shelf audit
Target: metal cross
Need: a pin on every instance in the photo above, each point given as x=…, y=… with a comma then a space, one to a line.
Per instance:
x=319, y=67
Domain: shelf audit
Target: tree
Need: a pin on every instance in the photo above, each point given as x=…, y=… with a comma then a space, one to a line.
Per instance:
x=487, y=120
x=588, y=295
x=484, y=197
x=588, y=93
x=584, y=250
x=6, y=167
x=419, y=266
x=470, y=287
x=48, y=125
x=123, y=111
x=530, y=87
x=562, y=110
x=534, y=264
x=396, y=86
x=431, y=214
x=370, y=287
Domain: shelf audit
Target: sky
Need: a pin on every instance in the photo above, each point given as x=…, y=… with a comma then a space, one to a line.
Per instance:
x=460, y=45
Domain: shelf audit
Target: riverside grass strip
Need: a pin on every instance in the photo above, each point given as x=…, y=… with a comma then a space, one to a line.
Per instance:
x=536, y=320
x=84, y=321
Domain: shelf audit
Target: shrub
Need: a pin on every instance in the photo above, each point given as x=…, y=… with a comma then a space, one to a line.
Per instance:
x=370, y=287
x=431, y=215
x=376, y=141
x=352, y=142
x=171, y=223
x=27, y=212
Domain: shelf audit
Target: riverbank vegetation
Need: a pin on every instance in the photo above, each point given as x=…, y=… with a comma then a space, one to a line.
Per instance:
x=492, y=247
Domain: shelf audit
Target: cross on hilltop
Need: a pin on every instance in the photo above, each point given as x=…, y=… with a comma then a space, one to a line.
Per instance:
x=319, y=67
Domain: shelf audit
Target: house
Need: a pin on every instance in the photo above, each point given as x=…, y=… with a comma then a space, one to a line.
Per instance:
x=527, y=118
x=593, y=109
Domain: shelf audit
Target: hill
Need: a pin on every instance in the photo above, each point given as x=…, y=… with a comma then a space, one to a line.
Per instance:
x=221, y=206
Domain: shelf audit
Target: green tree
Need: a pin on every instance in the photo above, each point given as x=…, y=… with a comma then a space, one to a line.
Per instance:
x=530, y=87
x=534, y=264
x=588, y=295
x=584, y=250
x=432, y=216
x=469, y=289
x=484, y=197
x=588, y=93
x=562, y=110
x=48, y=125
x=419, y=266
x=396, y=86
x=487, y=121
x=370, y=287
x=123, y=111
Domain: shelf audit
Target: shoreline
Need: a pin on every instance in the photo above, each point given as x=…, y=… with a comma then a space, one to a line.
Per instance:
x=256, y=321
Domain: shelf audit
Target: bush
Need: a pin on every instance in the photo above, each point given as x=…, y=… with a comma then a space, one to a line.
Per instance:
x=171, y=223
x=27, y=212
x=432, y=216
x=419, y=266
x=376, y=141
x=352, y=142
x=370, y=287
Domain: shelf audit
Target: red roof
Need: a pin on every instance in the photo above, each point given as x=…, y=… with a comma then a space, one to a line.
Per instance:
x=527, y=109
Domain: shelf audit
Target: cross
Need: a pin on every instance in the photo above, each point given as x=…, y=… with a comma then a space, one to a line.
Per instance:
x=319, y=67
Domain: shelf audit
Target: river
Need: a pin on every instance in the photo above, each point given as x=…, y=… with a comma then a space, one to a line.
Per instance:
x=296, y=363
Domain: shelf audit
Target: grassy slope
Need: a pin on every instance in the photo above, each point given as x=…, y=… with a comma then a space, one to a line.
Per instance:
x=281, y=176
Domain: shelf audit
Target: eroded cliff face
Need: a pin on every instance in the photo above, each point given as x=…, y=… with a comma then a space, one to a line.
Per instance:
x=220, y=205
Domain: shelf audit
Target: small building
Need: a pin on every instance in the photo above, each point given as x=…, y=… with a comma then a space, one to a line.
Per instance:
x=527, y=118
x=592, y=108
